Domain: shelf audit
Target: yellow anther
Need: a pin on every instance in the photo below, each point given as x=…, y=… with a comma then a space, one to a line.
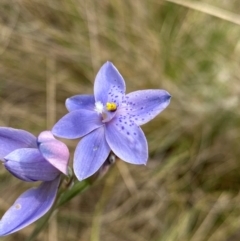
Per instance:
x=110, y=106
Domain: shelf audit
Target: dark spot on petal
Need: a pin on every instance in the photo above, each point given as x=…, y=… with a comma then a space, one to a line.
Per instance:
x=128, y=133
x=18, y=206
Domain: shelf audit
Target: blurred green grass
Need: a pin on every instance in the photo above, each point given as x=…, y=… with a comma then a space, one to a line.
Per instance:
x=189, y=191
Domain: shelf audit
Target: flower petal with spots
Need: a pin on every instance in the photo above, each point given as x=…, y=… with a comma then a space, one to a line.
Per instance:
x=127, y=140
x=143, y=105
x=109, y=85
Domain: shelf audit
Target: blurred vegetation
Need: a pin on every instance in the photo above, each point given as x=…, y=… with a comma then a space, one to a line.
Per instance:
x=189, y=191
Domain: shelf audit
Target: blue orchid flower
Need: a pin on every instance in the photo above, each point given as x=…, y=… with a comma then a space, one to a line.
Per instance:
x=109, y=120
x=31, y=159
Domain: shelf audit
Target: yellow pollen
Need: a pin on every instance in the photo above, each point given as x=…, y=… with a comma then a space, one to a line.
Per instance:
x=110, y=106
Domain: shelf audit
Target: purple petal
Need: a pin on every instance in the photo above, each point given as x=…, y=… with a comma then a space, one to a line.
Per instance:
x=78, y=102
x=29, y=207
x=127, y=140
x=54, y=151
x=45, y=136
x=12, y=139
x=90, y=154
x=144, y=105
x=109, y=85
x=29, y=165
x=77, y=124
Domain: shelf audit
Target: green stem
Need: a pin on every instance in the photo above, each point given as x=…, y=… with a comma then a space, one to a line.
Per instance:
x=77, y=188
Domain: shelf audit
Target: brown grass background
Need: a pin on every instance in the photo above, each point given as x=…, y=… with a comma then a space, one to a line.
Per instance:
x=189, y=191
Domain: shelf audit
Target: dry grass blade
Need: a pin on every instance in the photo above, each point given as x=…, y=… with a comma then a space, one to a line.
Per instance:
x=209, y=9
